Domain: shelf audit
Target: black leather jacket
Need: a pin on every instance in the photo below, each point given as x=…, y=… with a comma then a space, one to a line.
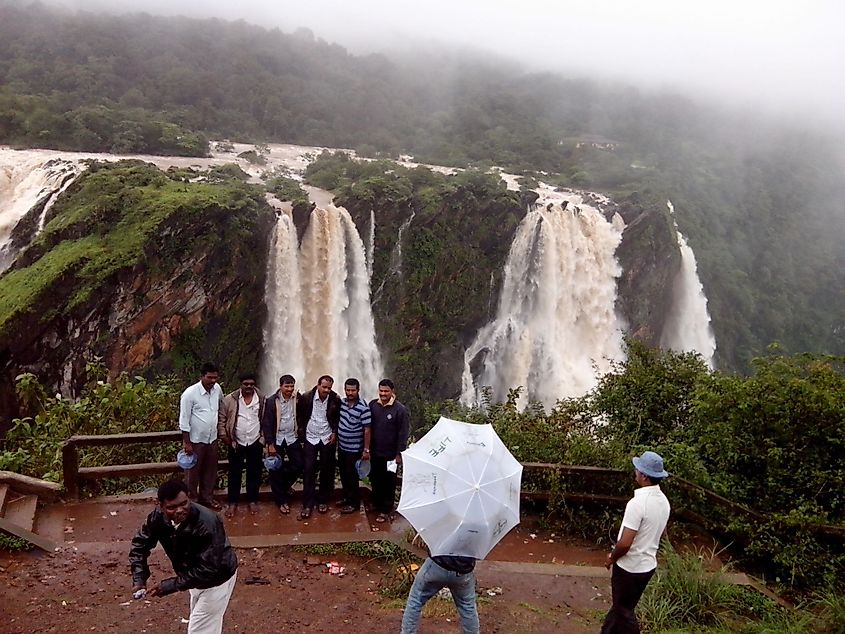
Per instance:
x=305, y=405
x=199, y=550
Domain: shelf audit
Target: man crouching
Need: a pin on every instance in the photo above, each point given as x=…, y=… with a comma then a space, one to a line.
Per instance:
x=193, y=538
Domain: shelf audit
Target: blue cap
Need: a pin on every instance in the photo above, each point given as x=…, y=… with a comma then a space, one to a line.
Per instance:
x=651, y=464
x=363, y=468
x=186, y=461
x=273, y=462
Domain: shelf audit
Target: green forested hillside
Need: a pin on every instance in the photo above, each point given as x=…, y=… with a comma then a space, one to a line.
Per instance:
x=760, y=204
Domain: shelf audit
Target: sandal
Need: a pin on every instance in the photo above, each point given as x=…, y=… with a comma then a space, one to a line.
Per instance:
x=323, y=508
x=304, y=514
x=381, y=518
x=284, y=509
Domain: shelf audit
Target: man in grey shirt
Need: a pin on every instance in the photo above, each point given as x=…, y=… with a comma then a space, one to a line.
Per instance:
x=198, y=412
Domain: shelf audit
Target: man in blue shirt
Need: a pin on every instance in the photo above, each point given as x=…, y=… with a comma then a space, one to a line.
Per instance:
x=198, y=412
x=353, y=435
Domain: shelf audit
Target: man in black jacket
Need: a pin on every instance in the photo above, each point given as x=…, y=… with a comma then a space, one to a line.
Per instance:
x=318, y=415
x=389, y=428
x=193, y=538
x=281, y=434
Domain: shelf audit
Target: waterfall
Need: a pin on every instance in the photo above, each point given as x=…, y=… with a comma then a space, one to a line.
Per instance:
x=687, y=326
x=395, y=267
x=27, y=185
x=371, y=243
x=396, y=256
x=283, y=331
x=555, y=325
x=323, y=323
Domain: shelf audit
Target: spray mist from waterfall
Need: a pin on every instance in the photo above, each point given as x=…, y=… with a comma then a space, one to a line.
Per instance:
x=555, y=325
x=318, y=300
x=687, y=327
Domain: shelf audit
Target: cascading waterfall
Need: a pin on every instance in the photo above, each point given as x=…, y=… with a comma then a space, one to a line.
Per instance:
x=371, y=243
x=323, y=324
x=67, y=173
x=687, y=326
x=556, y=324
x=283, y=331
x=27, y=184
x=395, y=267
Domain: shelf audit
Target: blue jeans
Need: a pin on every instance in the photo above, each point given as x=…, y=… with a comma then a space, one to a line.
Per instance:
x=430, y=579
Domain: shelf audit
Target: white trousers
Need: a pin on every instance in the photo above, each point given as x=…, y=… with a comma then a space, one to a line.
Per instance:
x=208, y=607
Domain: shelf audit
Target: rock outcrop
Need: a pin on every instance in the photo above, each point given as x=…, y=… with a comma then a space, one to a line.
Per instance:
x=650, y=259
x=169, y=275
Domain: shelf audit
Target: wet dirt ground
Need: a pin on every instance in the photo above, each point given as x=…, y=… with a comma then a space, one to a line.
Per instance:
x=534, y=581
x=280, y=588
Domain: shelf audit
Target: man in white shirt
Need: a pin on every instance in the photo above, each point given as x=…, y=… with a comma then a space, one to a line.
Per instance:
x=198, y=412
x=239, y=428
x=633, y=559
x=318, y=413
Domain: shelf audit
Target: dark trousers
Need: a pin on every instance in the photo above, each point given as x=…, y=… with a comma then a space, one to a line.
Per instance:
x=627, y=588
x=326, y=454
x=281, y=480
x=384, y=485
x=202, y=478
x=349, y=476
x=250, y=457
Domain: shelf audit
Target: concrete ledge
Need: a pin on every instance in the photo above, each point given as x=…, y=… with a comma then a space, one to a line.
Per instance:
x=48, y=491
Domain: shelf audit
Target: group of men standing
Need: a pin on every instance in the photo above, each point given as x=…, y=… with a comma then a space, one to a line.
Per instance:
x=309, y=435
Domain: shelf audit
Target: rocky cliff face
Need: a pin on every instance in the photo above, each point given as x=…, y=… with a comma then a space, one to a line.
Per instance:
x=650, y=259
x=171, y=275
x=151, y=272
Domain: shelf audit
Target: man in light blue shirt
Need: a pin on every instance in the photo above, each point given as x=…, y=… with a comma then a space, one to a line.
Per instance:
x=198, y=410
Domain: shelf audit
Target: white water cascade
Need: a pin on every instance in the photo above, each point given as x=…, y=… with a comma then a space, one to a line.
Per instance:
x=395, y=267
x=555, y=325
x=318, y=300
x=687, y=326
x=283, y=330
x=371, y=243
x=24, y=185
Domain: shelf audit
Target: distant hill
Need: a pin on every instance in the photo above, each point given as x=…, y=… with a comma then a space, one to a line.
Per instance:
x=761, y=204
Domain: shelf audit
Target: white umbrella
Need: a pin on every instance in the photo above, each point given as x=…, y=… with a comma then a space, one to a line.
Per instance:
x=460, y=488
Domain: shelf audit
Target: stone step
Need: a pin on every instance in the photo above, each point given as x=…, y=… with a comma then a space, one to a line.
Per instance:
x=20, y=510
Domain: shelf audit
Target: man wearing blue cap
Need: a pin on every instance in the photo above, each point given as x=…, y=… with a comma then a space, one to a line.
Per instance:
x=633, y=559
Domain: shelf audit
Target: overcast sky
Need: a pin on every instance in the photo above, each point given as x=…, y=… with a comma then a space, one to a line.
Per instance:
x=783, y=55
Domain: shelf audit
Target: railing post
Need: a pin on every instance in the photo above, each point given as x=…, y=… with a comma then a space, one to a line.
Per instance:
x=70, y=468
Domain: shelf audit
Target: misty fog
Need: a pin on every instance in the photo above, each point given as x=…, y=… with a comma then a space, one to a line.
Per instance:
x=784, y=57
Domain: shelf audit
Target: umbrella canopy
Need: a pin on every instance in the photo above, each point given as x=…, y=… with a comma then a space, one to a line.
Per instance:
x=460, y=488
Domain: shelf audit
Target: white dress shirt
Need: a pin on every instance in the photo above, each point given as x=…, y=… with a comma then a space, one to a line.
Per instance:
x=247, y=427
x=318, y=427
x=198, y=412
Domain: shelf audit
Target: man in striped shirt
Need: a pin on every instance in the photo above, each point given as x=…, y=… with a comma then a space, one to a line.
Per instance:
x=353, y=434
